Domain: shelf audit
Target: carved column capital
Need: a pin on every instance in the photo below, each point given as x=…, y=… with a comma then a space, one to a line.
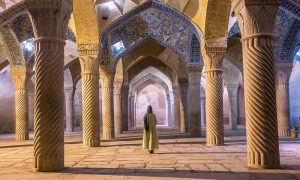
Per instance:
x=49, y=18
x=106, y=76
x=213, y=57
x=256, y=17
x=232, y=89
x=20, y=76
x=283, y=73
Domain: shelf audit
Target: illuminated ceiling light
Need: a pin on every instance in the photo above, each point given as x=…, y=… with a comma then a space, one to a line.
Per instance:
x=110, y=5
x=28, y=45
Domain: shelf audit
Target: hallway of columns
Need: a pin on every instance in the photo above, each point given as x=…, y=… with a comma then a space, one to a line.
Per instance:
x=205, y=77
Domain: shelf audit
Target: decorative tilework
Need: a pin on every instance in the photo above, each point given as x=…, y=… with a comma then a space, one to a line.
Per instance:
x=159, y=22
x=234, y=31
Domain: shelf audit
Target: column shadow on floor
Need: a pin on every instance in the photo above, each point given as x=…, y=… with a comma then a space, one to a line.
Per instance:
x=169, y=173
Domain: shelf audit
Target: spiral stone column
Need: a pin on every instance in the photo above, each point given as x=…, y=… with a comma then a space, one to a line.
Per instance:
x=106, y=77
x=184, y=105
x=89, y=64
x=194, y=75
x=176, y=110
x=282, y=99
x=213, y=60
x=203, y=115
x=69, y=109
x=20, y=77
x=118, y=108
x=232, y=94
x=256, y=20
x=49, y=19
x=125, y=91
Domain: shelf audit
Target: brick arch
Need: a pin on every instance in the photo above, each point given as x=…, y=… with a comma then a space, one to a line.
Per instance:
x=85, y=20
x=11, y=47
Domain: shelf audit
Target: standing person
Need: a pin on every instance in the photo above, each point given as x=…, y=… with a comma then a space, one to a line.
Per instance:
x=150, y=139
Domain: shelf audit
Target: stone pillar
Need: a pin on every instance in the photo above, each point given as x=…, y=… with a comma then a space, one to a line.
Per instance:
x=257, y=20
x=107, y=79
x=125, y=109
x=118, y=108
x=69, y=109
x=169, y=109
x=184, y=105
x=194, y=75
x=232, y=94
x=282, y=99
x=213, y=60
x=89, y=64
x=49, y=19
x=176, y=111
x=203, y=115
x=20, y=77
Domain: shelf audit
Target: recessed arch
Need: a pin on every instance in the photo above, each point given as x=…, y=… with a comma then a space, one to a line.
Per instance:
x=175, y=31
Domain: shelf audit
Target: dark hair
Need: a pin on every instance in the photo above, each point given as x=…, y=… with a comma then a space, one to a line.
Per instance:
x=146, y=124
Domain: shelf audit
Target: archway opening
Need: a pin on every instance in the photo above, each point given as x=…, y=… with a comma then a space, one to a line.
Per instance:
x=153, y=94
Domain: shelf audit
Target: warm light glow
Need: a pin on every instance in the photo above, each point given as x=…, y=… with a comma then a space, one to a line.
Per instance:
x=110, y=5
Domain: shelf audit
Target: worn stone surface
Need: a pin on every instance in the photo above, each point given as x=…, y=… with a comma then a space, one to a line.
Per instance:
x=178, y=158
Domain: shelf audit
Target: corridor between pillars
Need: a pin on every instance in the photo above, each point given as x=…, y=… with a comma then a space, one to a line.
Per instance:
x=213, y=60
x=50, y=20
x=194, y=75
x=90, y=94
x=107, y=80
x=256, y=20
x=20, y=76
x=282, y=99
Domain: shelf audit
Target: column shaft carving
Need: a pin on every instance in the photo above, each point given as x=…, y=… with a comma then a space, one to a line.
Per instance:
x=106, y=77
x=257, y=20
x=232, y=94
x=176, y=112
x=50, y=20
x=69, y=110
x=194, y=75
x=21, y=76
x=118, y=109
x=282, y=99
x=213, y=60
x=125, y=109
x=90, y=94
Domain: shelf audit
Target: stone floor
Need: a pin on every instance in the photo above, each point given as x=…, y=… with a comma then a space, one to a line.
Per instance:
x=179, y=157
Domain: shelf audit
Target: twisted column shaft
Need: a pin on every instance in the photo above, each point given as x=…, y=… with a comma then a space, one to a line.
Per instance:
x=69, y=110
x=282, y=99
x=49, y=20
x=49, y=105
x=107, y=103
x=90, y=94
x=118, y=109
x=232, y=94
x=176, y=110
x=184, y=100
x=213, y=60
x=260, y=96
x=125, y=109
x=194, y=75
x=20, y=76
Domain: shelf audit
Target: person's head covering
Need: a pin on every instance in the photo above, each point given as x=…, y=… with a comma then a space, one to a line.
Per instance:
x=146, y=123
x=149, y=109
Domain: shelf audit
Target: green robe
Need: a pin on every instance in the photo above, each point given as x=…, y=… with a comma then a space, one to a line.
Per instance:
x=150, y=139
